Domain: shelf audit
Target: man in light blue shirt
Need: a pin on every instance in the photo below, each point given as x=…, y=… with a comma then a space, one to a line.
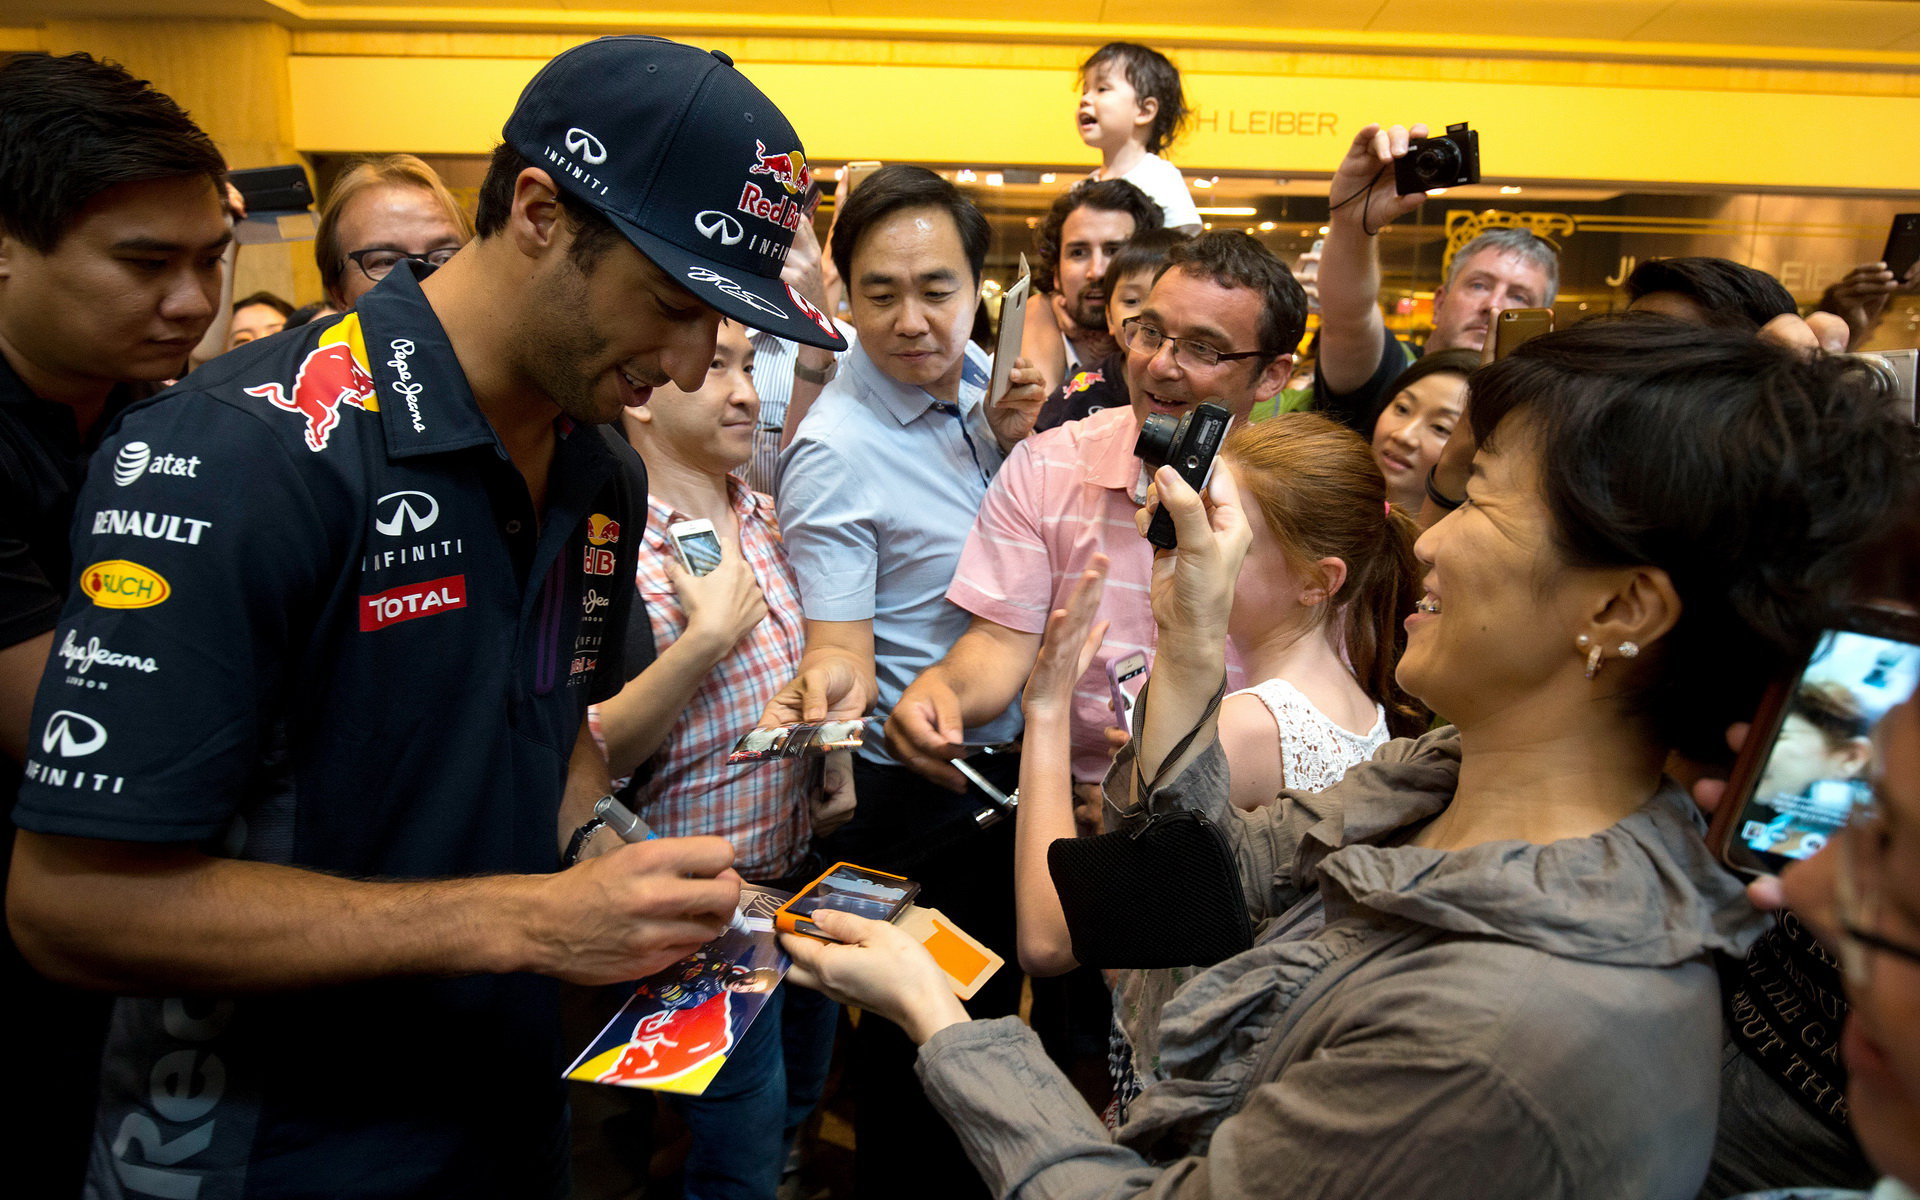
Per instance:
x=878, y=488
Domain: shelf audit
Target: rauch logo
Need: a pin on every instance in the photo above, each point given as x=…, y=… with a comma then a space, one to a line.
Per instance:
x=117, y=583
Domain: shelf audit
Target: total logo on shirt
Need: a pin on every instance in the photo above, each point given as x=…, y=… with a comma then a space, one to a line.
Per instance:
x=412, y=601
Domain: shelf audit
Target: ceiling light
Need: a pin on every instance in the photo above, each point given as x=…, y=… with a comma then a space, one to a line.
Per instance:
x=996, y=179
x=1245, y=211
x=1509, y=191
x=1047, y=177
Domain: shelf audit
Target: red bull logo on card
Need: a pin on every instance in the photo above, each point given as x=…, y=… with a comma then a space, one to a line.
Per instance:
x=669, y=1044
x=789, y=170
x=335, y=373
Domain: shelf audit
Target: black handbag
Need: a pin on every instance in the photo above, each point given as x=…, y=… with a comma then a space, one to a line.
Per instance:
x=1165, y=893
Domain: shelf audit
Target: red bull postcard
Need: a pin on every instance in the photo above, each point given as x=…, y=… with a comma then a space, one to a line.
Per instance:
x=680, y=1025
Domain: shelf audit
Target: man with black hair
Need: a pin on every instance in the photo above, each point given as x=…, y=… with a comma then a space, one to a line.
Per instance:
x=255, y=317
x=300, y=793
x=877, y=491
x=1221, y=324
x=1715, y=292
x=1076, y=240
x=111, y=232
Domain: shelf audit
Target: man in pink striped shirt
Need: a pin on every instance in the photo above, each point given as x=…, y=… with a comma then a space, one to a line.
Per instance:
x=1221, y=324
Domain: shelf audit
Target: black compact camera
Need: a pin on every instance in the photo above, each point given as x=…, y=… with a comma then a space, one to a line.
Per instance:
x=1188, y=444
x=1439, y=162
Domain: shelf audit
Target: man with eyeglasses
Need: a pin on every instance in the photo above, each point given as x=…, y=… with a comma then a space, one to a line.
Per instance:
x=1861, y=897
x=380, y=213
x=1221, y=324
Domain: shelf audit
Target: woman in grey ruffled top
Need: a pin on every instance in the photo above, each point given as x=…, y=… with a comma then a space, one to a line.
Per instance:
x=1483, y=959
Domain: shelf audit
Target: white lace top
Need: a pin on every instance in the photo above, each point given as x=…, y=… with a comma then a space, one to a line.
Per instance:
x=1315, y=750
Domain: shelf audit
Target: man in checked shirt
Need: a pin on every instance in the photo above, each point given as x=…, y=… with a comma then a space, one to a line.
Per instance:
x=727, y=641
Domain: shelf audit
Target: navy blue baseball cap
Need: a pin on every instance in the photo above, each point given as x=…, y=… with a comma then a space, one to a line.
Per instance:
x=689, y=160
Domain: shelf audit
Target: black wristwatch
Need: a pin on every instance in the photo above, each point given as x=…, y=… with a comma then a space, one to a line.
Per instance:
x=1434, y=493
x=579, y=840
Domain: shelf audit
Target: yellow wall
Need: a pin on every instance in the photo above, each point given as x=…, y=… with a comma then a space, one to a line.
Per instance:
x=1283, y=124
x=265, y=93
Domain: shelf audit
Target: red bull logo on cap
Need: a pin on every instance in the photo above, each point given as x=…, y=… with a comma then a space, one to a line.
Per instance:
x=335, y=373
x=789, y=170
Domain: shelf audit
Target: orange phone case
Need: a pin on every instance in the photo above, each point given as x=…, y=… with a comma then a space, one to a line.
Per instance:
x=789, y=922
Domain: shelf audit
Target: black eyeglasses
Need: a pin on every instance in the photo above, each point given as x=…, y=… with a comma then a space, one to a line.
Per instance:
x=376, y=264
x=1195, y=356
x=1861, y=890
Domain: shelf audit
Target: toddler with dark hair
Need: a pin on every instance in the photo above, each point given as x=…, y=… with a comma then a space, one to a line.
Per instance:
x=1132, y=108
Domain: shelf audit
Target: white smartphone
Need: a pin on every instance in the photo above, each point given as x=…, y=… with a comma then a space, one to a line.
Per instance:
x=697, y=545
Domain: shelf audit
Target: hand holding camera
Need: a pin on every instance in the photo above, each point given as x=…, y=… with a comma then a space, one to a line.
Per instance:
x=1191, y=592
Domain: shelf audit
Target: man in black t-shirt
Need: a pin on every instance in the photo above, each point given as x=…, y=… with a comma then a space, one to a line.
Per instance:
x=309, y=825
x=111, y=230
x=1359, y=356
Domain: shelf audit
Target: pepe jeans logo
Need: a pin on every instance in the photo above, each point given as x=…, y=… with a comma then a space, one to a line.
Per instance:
x=409, y=390
x=587, y=146
x=729, y=287
x=718, y=225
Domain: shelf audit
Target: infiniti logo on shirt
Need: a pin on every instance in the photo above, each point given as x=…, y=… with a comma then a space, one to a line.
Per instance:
x=71, y=735
x=404, y=517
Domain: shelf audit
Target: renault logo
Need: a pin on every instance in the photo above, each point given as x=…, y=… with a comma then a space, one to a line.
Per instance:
x=71, y=735
x=712, y=224
x=405, y=516
x=587, y=146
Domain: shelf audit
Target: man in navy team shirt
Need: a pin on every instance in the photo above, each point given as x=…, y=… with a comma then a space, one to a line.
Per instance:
x=303, y=811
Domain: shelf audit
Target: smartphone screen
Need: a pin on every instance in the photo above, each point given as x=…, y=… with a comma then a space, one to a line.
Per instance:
x=861, y=891
x=1818, y=758
x=699, y=551
x=1903, y=245
x=1121, y=673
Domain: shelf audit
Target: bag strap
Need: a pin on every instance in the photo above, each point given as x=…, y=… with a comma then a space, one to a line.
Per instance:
x=1142, y=790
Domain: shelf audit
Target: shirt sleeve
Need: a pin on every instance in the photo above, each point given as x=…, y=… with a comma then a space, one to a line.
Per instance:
x=1162, y=181
x=1358, y=409
x=29, y=603
x=1344, y=1123
x=830, y=524
x=1004, y=573
x=194, y=592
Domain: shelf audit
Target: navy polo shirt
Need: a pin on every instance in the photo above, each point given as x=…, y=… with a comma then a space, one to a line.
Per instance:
x=317, y=622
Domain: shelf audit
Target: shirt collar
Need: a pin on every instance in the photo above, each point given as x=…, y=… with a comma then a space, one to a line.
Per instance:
x=1109, y=450
x=903, y=401
x=426, y=406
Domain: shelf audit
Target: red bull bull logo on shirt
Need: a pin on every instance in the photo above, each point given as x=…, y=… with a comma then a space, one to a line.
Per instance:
x=789, y=170
x=335, y=373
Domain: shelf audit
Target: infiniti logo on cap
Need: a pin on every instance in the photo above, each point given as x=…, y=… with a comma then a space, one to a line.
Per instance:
x=712, y=224
x=587, y=146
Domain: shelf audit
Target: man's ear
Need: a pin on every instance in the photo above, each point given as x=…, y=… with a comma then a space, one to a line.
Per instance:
x=9, y=246
x=1273, y=377
x=535, y=224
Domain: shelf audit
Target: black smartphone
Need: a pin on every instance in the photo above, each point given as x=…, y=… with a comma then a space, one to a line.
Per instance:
x=1809, y=757
x=273, y=189
x=1903, y=245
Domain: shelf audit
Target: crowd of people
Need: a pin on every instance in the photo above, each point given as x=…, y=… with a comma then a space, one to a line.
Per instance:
x=320, y=668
